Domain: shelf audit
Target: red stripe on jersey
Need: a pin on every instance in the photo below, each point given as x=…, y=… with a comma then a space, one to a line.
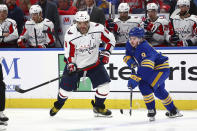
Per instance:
x=24, y=31
x=65, y=44
x=72, y=52
x=160, y=30
x=89, y=68
x=50, y=37
x=171, y=31
x=108, y=46
x=194, y=28
x=100, y=93
x=106, y=40
x=11, y=30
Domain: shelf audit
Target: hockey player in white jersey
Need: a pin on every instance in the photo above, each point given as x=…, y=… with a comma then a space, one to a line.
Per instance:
x=37, y=32
x=182, y=29
x=156, y=27
x=122, y=25
x=82, y=59
x=8, y=30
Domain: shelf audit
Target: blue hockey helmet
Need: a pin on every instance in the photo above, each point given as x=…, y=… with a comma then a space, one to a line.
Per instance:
x=137, y=32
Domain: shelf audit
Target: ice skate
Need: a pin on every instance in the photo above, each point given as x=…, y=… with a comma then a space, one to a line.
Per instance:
x=3, y=123
x=53, y=111
x=174, y=113
x=151, y=115
x=101, y=111
x=3, y=117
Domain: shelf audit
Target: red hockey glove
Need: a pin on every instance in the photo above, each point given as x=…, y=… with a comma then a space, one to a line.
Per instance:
x=21, y=43
x=104, y=57
x=71, y=67
x=41, y=46
x=111, y=25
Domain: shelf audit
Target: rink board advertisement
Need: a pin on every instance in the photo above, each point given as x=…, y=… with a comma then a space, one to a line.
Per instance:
x=30, y=67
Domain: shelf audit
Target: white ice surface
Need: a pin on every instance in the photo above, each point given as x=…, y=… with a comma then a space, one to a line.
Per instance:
x=84, y=120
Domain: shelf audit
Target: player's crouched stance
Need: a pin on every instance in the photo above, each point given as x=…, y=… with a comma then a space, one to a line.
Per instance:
x=83, y=59
x=152, y=71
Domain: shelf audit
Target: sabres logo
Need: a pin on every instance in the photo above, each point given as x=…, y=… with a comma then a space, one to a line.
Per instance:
x=143, y=55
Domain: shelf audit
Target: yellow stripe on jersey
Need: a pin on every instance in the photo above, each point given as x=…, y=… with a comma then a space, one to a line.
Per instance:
x=148, y=63
x=149, y=98
x=156, y=79
x=136, y=78
x=162, y=66
x=126, y=58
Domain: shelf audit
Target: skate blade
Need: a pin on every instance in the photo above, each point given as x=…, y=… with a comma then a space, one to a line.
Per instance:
x=100, y=115
x=151, y=119
x=4, y=123
x=177, y=115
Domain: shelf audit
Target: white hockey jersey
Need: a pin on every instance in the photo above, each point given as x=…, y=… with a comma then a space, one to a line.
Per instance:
x=41, y=32
x=159, y=28
x=125, y=26
x=83, y=50
x=8, y=26
x=185, y=28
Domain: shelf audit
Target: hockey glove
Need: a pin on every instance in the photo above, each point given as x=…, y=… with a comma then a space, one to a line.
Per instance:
x=148, y=35
x=146, y=22
x=104, y=57
x=174, y=38
x=21, y=44
x=130, y=61
x=133, y=81
x=189, y=43
x=111, y=25
x=42, y=46
x=71, y=67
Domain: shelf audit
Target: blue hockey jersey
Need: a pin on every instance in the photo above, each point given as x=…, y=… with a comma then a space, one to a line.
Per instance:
x=149, y=61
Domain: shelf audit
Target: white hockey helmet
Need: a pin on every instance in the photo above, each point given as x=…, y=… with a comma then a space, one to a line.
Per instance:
x=183, y=2
x=123, y=7
x=3, y=7
x=82, y=16
x=35, y=9
x=152, y=6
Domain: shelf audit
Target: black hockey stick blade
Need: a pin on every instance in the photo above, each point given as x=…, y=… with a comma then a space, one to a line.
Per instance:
x=18, y=89
x=130, y=112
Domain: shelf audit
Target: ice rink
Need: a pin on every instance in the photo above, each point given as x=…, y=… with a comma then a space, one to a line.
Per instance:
x=84, y=120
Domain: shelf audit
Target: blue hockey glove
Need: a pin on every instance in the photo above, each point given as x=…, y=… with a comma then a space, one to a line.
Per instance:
x=130, y=61
x=133, y=81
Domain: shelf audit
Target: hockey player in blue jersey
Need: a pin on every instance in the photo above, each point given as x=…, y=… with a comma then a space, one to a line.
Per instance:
x=152, y=71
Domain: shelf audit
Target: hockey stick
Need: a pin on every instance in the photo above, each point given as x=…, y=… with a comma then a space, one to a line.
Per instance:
x=18, y=89
x=172, y=17
x=35, y=37
x=54, y=34
x=175, y=12
x=131, y=103
x=131, y=99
